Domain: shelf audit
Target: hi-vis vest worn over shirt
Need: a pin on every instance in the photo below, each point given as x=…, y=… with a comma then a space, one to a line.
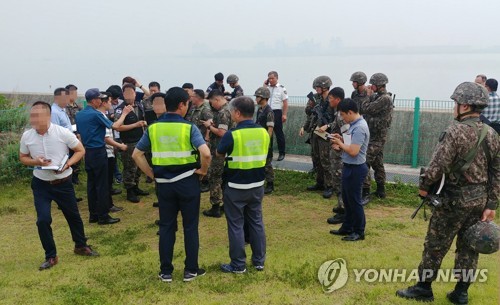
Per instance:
x=172, y=150
x=249, y=155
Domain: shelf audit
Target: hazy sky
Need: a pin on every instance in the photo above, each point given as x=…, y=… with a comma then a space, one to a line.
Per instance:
x=54, y=42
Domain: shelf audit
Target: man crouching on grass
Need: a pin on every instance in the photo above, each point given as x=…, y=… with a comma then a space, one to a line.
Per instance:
x=246, y=147
x=44, y=145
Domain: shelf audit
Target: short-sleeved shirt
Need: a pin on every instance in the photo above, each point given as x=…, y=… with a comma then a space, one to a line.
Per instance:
x=360, y=135
x=53, y=145
x=91, y=125
x=60, y=117
x=278, y=95
x=222, y=120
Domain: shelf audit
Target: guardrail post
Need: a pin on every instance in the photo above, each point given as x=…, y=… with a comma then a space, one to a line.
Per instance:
x=416, y=126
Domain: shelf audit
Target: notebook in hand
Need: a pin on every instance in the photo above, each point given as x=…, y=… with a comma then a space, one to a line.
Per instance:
x=55, y=167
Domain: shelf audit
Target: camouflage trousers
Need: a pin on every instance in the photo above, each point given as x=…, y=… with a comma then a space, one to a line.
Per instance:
x=337, y=175
x=269, y=165
x=215, y=172
x=448, y=221
x=375, y=160
x=131, y=173
x=322, y=158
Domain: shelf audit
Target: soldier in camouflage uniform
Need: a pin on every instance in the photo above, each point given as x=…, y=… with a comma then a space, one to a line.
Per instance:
x=72, y=109
x=335, y=96
x=199, y=112
x=233, y=80
x=360, y=94
x=378, y=114
x=265, y=118
x=470, y=193
x=322, y=151
x=220, y=124
x=306, y=128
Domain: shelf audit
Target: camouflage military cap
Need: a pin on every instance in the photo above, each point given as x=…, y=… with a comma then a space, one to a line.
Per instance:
x=232, y=78
x=263, y=92
x=470, y=93
x=379, y=79
x=483, y=237
x=322, y=81
x=359, y=77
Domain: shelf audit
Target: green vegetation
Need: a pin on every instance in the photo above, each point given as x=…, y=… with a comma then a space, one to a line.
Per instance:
x=297, y=238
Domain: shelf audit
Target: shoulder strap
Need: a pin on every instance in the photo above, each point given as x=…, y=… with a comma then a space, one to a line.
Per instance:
x=461, y=167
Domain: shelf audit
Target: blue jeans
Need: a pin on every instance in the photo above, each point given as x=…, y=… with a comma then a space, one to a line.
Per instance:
x=352, y=183
x=64, y=195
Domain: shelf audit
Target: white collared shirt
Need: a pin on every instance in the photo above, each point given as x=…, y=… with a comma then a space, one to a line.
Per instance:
x=278, y=95
x=53, y=145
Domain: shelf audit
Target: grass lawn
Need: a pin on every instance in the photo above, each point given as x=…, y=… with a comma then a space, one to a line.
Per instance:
x=298, y=243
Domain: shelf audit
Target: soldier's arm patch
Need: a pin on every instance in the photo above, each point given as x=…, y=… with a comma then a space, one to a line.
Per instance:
x=441, y=136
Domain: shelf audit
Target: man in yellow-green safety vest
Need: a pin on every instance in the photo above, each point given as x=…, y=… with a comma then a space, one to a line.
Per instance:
x=245, y=148
x=180, y=159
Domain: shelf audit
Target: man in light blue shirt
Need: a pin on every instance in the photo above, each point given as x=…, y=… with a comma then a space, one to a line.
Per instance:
x=353, y=144
x=59, y=115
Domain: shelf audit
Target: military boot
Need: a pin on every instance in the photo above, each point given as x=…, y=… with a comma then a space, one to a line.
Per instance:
x=336, y=219
x=131, y=195
x=419, y=292
x=459, y=295
x=380, y=192
x=269, y=188
x=316, y=187
x=365, y=196
x=215, y=211
x=140, y=192
x=328, y=193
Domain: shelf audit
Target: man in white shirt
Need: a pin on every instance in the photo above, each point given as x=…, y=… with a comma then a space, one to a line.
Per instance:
x=279, y=103
x=48, y=144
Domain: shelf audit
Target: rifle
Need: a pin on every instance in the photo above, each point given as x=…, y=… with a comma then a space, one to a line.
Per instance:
x=310, y=96
x=432, y=198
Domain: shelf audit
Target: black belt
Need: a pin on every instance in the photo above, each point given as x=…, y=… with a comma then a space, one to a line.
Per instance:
x=59, y=181
x=352, y=165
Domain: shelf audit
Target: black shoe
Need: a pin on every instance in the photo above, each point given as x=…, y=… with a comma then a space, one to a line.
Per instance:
x=269, y=188
x=215, y=211
x=108, y=221
x=167, y=278
x=380, y=192
x=93, y=220
x=189, y=276
x=132, y=196
x=316, y=187
x=281, y=157
x=416, y=293
x=336, y=219
x=115, y=209
x=115, y=192
x=353, y=237
x=328, y=193
x=458, y=297
x=78, y=199
x=340, y=232
x=140, y=192
x=48, y=263
x=156, y=204
x=338, y=210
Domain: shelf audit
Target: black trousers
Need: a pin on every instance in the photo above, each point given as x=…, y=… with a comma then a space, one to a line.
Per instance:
x=111, y=171
x=64, y=195
x=278, y=131
x=96, y=166
x=183, y=196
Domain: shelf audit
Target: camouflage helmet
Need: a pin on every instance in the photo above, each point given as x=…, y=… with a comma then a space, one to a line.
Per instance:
x=232, y=78
x=470, y=93
x=322, y=81
x=359, y=77
x=483, y=237
x=263, y=92
x=379, y=79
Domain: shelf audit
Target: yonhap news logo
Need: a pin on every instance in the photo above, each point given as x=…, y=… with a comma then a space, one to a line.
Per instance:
x=333, y=275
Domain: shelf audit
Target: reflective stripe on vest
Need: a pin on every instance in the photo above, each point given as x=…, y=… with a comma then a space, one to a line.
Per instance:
x=171, y=143
x=250, y=148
